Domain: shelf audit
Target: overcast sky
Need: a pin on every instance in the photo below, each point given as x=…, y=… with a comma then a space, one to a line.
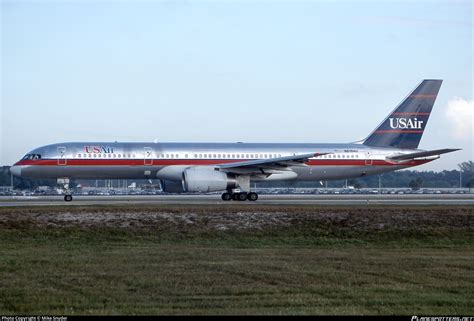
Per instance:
x=230, y=71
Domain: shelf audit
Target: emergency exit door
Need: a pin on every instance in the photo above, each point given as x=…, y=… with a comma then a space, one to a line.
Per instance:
x=148, y=159
x=62, y=160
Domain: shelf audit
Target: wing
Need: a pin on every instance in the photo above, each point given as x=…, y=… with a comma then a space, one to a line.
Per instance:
x=402, y=157
x=261, y=166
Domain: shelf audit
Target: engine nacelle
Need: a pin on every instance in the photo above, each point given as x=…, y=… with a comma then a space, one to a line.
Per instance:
x=196, y=179
x=171, y=186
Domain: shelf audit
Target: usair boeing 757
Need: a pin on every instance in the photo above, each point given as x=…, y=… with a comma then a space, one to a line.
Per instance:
x=231, y=167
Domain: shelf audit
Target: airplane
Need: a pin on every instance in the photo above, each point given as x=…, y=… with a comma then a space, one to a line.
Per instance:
x=231, y=167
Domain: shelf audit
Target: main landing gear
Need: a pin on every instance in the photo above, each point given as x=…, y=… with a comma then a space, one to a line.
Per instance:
x=239, y=196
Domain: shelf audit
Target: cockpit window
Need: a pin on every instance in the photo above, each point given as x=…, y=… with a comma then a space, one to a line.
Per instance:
x=32, y=156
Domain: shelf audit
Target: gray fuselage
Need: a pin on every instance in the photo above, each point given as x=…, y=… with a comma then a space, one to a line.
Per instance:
x=105, y=160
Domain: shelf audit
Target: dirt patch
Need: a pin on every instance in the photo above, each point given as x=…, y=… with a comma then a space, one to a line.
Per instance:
x=238, y=219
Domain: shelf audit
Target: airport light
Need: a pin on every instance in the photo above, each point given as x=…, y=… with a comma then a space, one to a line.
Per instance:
x=460, y=176
x=380, y=183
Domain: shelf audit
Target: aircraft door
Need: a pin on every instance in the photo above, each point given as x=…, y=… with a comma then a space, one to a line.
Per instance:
x=148, y=158
x=62, y=160
x=368, y=158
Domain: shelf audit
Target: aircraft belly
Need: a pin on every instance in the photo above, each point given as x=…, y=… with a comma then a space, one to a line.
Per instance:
x=340, y=172
x=92, y=172
x=309, y=173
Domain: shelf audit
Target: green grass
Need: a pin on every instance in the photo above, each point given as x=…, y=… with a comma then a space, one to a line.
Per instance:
x=299, y=269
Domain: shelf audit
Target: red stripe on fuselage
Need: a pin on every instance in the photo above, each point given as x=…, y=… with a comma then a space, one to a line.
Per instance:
x=196, y=162
x=415, y=113
x=423, y=96
x=399, y=131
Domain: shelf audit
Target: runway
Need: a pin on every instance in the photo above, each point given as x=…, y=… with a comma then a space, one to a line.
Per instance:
x=214, y=199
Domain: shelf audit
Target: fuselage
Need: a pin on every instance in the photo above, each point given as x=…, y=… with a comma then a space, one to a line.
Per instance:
x=117, y=160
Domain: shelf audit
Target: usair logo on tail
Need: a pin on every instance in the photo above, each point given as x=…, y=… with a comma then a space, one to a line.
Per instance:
x=406, y=123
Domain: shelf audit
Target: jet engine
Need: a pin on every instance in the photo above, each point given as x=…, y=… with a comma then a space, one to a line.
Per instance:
x=171, y=186
x=196, y=179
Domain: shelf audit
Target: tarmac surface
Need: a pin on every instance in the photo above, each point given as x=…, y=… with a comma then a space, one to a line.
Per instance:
x=279, y=199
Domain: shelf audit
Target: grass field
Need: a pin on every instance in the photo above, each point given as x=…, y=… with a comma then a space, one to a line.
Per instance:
x=222, y=260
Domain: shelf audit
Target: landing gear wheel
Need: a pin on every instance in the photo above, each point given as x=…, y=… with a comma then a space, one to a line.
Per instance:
x=68, y=198
x=242, y=196
x=252, y=196
x=226, y=196
x=235, y=196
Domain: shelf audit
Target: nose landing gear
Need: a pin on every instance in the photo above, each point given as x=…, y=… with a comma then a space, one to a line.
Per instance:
x=64, y=185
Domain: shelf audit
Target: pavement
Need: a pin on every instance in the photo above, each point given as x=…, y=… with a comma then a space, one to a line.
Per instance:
x=215, y=199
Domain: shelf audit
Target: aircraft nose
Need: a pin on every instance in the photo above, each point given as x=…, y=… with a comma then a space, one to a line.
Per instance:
x=16, y=170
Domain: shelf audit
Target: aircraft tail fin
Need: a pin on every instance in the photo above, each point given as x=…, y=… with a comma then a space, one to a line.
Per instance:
x=404, y=127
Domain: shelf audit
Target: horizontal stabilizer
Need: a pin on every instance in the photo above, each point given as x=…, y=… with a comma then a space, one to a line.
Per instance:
x=422, y=154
